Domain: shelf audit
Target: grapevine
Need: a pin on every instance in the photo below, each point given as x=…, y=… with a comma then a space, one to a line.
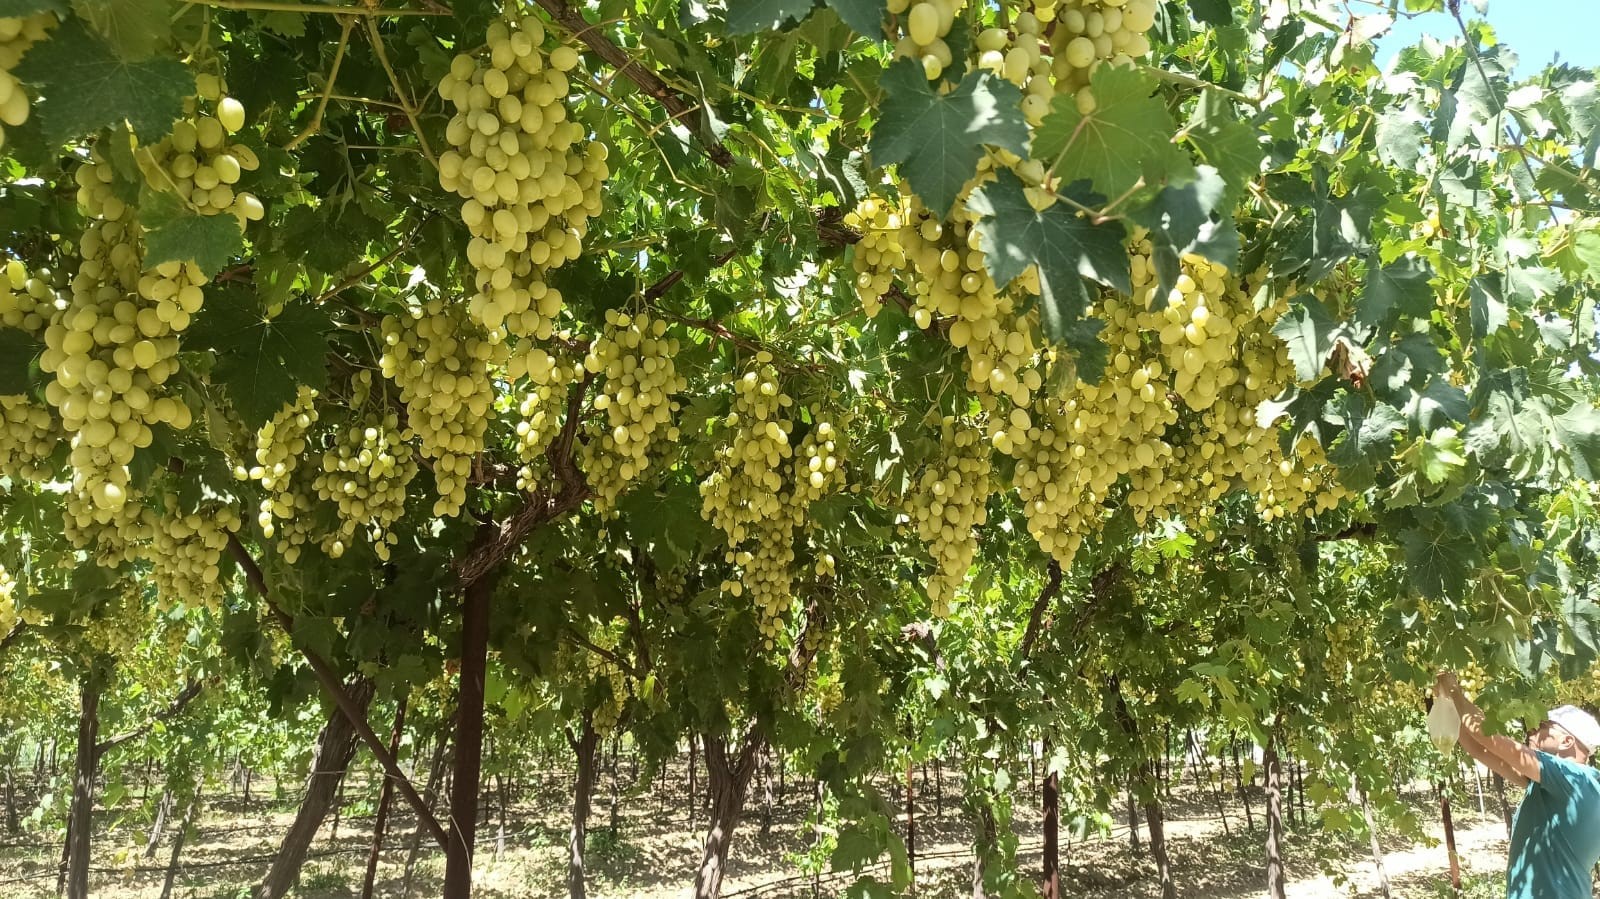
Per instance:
x=185, y=550
x=951, y=499
x=365, y=474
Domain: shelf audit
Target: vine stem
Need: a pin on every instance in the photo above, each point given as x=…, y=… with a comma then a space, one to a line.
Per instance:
x=399, y=91
x=315, y=125
x=277, y=6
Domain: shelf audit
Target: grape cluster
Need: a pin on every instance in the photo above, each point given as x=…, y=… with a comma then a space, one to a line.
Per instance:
x=1088, y=33
x=746, y=499
x=638, y=388
x=528, y=190
x=111, y=347
x=28, y=437
x=1173, y=418
x=27, y=302
x=1020, y=60
x=608, y=714
x=441, y=360
x=17, y=34
x=280, y=444
x=365, y=474
x=8, y=602
x=540, y=408
x=818, y=465
x=927, y=24
x=198, y=163
x=950, y=499
x=185, y=550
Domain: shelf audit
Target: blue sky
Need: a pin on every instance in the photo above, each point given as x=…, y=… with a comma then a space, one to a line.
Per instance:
x=1536, y=29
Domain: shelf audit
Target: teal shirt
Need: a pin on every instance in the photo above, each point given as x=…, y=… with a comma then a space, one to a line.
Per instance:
x=1555, y=840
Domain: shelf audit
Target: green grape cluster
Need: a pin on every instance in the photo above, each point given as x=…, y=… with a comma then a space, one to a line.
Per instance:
x=746, y=496
x=440, y=358
x=1016, y=56
x=8, y=602
x=528, y=187
x=279, y=447
x=198, y=163
x=28, y=437
x=949, y=500
x=818, y=465
x=116, y=626
x=27, y=302
x=540, y=407
x=365, y=474
x=638, y=389
x=185, y=550
x=111, y=350
x=608, y=714
x=1090, y=33
x=17, y=34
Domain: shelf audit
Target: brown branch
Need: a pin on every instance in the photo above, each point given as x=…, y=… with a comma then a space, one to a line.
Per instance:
x=1353, y=532
x=1036, y=617
x=333, y=685
x=173, y=710
x=679, y=107
x=801, y=655
x=1099, y=593
x=607, y=654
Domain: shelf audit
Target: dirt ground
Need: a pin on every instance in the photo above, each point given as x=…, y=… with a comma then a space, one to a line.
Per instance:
x=652, y=852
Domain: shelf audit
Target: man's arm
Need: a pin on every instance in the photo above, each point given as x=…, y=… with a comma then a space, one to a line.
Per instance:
x=1502, y=755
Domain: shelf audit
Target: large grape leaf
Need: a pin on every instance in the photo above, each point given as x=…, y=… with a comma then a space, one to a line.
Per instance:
x=938, y=140
x=1212, y=12
x=1126, y=137
x=261, y=362
x=135, y=29
x=1369, y=431
x=174, y=233
x=18, y=349
x=747, y=16
x=1189, y=218
x=1309, y=332
x=1400, y=287
x=1490, y=312
x=82, y=86
x=1231, y=146
x=865, y=16
x=1438, y=564
x=1579, y=430
x=1066, y=247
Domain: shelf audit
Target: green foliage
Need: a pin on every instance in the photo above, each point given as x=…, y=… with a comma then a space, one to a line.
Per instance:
x=83, y=86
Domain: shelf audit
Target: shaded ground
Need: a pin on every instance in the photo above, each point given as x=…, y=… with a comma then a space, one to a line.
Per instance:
x=652, y=852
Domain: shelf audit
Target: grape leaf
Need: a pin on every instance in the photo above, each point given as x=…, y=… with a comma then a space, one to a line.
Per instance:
x=1369, y=432
x=184, y=235
x=1066, y=247
x=938, y=140
x=748, y=16
x=1125, y=138
x=1232, y=146
x=1489, y=310
x=135, y=29
x=1309, y=333
x=1189, y=218
x=1401, y=286
x=1438, y=565
x=1579, y=428
x=82, y=87
x=261, y=362
x=18, y=349
x=865, y=16
x=1212, y=12
x=1401, y=132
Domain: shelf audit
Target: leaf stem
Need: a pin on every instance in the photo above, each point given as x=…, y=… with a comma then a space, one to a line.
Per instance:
x=1191, y=81
x=315, y=125
x=399, y=91
x=308, y=8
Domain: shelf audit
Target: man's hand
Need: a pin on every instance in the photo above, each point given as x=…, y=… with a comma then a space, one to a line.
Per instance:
x=1445, y=684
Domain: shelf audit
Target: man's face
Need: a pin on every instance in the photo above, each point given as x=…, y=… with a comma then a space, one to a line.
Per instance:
x=1552, y=738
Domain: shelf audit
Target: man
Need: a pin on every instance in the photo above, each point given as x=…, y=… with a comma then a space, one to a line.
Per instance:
x=1555, y=839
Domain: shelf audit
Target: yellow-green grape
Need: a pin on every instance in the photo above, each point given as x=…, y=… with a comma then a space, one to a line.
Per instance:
x=927, y=24
x=365, y=474
x=116, y=626
x=1089, y=33
x=638, y=388
x=528, y=184
x=745, y=496
x=17, y=34
x=949, y=500
x=441, y=359
x=185, y=551
x=198, y=162
x=539, y=408
x=605, y=672
x=1018, y=57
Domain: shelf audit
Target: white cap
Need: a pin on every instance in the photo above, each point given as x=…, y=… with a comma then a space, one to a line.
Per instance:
x=1580, y=724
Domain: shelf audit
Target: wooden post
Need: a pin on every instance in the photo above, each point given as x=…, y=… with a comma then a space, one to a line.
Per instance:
x=1450, y=841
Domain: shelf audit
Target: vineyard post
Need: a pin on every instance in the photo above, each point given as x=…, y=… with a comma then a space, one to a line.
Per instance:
x=1450, y=838
x=1276, y=884
x=1372, y=836
x=80, y=826
x=469, y=735
x=911, y=824
x=190, y=815
x=1052, y=820
x=385, y=794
